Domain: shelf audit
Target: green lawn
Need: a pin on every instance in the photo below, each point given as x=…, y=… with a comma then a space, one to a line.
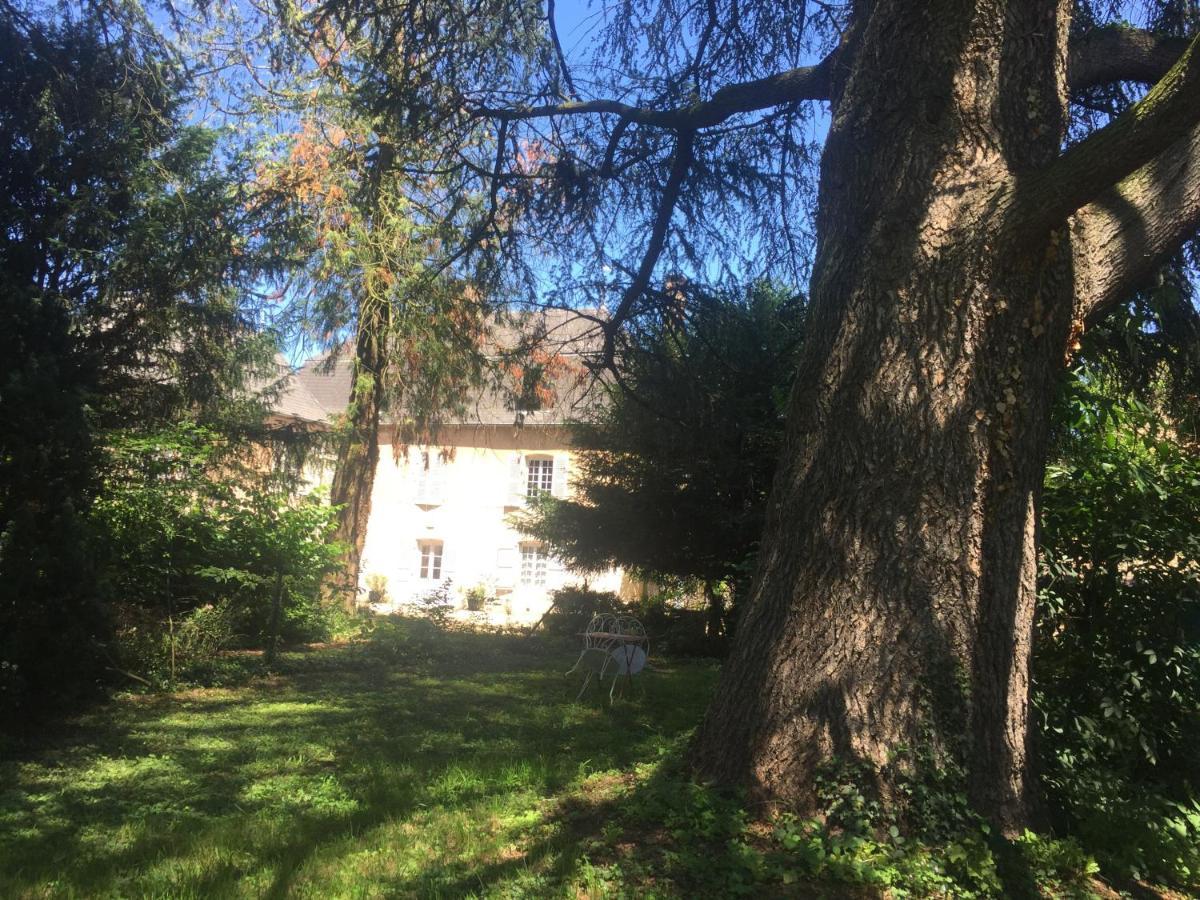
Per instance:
x=446, y=767
x=426, y=764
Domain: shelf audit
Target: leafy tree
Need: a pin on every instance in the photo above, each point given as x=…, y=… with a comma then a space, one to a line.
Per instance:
x=73, y=121
x=673, y=471
x=126, y=257
x=372, y=283
x=959, y=252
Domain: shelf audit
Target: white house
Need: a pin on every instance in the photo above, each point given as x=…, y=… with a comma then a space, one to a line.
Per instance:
x=441, y=513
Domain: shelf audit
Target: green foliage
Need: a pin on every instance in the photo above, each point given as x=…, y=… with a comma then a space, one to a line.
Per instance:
x=163, y=653
x=1117, y=659
x=435, y=605
x=74, y=121
x=705, y=843
x=128, y=255
x=406, y=641
x=51, y=620
x=573, y=607
x=198, y=547
x=673, y=473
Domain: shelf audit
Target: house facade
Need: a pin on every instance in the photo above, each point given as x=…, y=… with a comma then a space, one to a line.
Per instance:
x=441, y=514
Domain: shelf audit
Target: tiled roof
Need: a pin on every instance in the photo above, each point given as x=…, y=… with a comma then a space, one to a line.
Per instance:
x=320, y=389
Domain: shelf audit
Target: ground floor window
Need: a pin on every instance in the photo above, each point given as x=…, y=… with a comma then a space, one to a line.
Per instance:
x=534, y=558
x=431, y=559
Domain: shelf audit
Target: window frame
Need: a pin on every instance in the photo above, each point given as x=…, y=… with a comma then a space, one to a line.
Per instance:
x=539, y=476
x=535, y=564
x=431, y=555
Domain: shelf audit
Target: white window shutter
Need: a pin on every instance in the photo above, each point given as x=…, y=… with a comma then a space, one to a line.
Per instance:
x=422, y=464
x=506, y=567
x=518, y=478
x=449, y=560
x=561, y=471
x=441, y=479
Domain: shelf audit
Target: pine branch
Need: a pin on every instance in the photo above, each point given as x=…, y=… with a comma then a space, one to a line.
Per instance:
x=680, y=165
x=805, y=83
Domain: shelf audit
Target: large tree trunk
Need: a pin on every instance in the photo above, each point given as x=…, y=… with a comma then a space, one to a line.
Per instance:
x=893, y=602
x=358, y=457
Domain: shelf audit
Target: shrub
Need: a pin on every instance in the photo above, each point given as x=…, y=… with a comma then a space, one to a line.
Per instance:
x=435, y=605
x=192, y=546
x=395, y=639
x=1117, y=659
x=162, y=653
x=573, y=607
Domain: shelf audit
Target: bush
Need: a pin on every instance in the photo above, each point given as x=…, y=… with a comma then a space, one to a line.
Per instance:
x=573, y=607
x=1117, y=658
x=206, y=552
x=397, y=640
x=435, y=605
x=679, y=631
x=164, y=653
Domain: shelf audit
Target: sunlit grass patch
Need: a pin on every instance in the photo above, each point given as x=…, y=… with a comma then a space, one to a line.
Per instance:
x=352, y=774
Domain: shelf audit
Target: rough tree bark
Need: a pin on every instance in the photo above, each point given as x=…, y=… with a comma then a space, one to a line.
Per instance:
x=957, y=257
x=358, y=457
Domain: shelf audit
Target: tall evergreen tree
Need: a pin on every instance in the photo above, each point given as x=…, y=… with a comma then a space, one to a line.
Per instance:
x=126, y=255
x=674, y=468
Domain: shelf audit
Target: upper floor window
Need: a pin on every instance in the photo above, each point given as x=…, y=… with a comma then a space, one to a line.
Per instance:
x=430, y=481
x=430, y=559
x=539, y=476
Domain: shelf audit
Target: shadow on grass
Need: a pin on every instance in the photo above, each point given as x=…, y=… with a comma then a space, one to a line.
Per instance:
x=356, y=769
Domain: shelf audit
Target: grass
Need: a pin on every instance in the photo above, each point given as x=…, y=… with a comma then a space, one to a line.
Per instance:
x=403, y=769
x=432, y=764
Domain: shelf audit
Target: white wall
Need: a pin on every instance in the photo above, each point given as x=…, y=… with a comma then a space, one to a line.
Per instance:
x=473, y=485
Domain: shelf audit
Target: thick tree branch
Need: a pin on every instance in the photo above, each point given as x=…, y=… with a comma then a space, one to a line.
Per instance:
x=1102, y=56
x=558, y=50
x=1106, y=55
x=610, y=152
x=1122, y=237
x=806, y=83
x=1038, y=201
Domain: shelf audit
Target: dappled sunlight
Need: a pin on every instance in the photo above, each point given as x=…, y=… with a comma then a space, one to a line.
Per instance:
x=344, y=773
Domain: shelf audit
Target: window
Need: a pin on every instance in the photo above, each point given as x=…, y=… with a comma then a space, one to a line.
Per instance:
x=431, y=559
x=540, y=479
x=533, y=564
x=430, y=480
